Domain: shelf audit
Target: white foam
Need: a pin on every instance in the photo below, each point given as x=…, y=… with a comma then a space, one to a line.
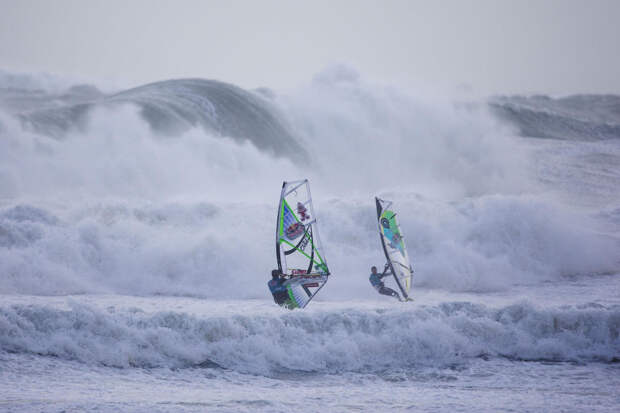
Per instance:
x=134, y=213
x=329, y=341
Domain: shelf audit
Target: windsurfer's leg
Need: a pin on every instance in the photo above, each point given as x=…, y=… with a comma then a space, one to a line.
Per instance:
x=389, y=291
x=281, y=297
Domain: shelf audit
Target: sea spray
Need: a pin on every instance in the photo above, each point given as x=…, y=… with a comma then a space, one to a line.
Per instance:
x=114, y=206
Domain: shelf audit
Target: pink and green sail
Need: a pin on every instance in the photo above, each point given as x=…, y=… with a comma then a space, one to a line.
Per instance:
x=299, y=252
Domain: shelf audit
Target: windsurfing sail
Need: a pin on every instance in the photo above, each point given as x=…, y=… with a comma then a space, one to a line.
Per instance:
x=298, y=246
x=393, y=244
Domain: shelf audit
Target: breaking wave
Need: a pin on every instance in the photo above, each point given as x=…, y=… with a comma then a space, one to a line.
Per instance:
x=578, y=117
x=179, y=248
x=330, y=341
x=169, y=107
x=94, y=199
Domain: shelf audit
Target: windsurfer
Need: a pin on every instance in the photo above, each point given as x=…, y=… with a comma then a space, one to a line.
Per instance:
x=375, y=280
x=278, y=289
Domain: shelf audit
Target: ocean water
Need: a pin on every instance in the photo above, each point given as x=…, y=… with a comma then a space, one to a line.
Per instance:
x=136, y=240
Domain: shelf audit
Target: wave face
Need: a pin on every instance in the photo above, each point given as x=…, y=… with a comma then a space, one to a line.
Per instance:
x=578, y=117
x=113, y=207
x=331, y=341
x=169, y=107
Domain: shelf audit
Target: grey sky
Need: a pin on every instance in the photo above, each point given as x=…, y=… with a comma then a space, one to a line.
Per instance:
x=557, y=47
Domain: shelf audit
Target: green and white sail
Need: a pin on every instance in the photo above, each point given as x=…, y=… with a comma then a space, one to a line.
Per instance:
x=394, y=247
x=299, y=252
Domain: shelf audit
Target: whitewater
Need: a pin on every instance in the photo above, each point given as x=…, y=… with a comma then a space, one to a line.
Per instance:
x=137, y=238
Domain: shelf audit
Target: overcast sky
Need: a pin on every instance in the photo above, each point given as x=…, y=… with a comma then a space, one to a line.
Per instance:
x=557, y=47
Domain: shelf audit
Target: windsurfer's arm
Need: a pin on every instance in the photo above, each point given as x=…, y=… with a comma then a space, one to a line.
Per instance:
x=385, y=271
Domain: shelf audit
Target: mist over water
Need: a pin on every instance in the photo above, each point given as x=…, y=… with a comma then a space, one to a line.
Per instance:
x=124, y=200
x=137, y=236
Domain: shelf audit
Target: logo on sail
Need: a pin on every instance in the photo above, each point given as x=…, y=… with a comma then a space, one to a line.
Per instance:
x=294, y=230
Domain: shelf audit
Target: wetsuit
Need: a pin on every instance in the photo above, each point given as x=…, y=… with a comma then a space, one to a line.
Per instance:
x=279, y=290
x=375, y=280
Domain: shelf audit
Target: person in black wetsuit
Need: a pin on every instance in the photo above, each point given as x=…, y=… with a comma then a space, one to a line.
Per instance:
x=278, y=289
x=375, y=280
